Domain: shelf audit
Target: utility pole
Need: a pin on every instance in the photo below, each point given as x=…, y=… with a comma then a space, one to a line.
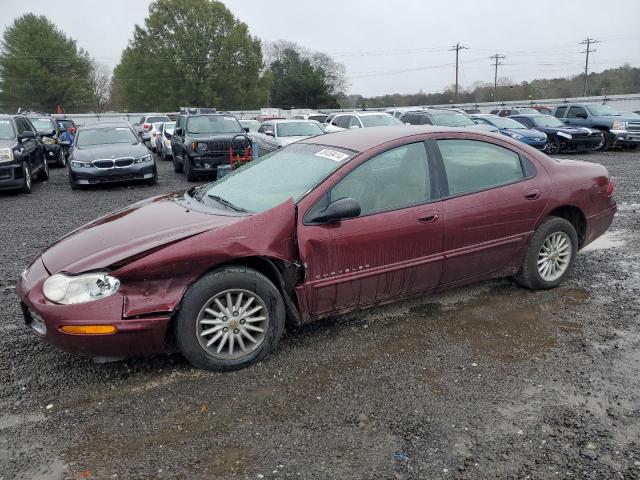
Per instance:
x=588, y=42
x=457, y=47
x=497, y=57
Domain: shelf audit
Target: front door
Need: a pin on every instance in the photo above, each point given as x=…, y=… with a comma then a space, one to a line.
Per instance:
x=393, y=248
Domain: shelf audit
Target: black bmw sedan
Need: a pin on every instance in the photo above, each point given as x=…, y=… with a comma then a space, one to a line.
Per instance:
x=110, y=152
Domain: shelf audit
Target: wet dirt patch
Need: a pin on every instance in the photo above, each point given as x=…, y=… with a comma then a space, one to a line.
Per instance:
x=611, y=239
x=506, y=324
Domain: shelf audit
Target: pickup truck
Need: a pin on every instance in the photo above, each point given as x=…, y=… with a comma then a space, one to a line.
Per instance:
x=618, y=129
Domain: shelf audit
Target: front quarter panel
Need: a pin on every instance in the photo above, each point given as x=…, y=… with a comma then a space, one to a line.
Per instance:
x=157, y=282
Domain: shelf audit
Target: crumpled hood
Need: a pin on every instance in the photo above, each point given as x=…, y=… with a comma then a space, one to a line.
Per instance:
x=128, y=233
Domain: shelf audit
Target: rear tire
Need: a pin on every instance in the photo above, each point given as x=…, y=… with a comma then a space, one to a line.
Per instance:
x=62, y=160
x=207, y=342
x=554, y=244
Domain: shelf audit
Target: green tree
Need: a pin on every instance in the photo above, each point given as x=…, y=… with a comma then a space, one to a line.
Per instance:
x=304, y=79
x=40, y=68
x=191, y=52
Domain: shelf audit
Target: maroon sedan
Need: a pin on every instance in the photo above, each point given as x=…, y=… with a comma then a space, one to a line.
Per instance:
x=329, y=224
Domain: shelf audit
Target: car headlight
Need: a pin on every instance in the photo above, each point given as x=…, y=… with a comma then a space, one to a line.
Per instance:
x=167, y=142
x=144, y=158
x=6, y=155
x=48, y=141
x=77, y=164
x=619, y=125
x=69, y=290
x=201, y=147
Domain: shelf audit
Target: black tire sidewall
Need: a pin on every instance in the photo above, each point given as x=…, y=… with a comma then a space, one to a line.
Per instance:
x=26, y=173
x=205, y=288
x=546, y=228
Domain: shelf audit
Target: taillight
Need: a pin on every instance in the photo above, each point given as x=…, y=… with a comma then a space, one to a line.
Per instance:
x=611, y=186
x=146, y=126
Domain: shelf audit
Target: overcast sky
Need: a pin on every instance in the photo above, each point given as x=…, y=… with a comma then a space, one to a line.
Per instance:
x=391, y=46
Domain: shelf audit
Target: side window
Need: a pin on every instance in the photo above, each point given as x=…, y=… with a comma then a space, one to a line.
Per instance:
x=180, y=123
x=354, y=122
x=472, y=165
x=573, y=112
x=26, y=126
x=262, y=128
x=424, y=120
x=560, y=112
x=412, y=118
x=270, y=129
x=395, y=179
x=343, y=122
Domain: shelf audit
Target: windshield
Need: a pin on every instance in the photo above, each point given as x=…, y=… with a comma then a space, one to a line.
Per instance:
x=169, y=127
x=252, y=125
x=287, y=173
x=547, y=121
x=452, y=120
x=6, y=130
x=213, y=124
x=105, y=136
x=504, y=122
x=298, y=129
x=43, y=125
x=160, y=119
x=602, y=110
x=382, y=120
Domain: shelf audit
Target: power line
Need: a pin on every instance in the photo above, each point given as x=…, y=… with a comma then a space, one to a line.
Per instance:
x=457, y=47
x=588, y=42
x=497, y=57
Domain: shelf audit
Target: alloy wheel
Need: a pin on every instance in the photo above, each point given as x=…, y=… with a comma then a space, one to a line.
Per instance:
x=554, y=256
x=232, y=324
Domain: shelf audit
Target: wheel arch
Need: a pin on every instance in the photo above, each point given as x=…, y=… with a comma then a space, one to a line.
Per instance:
x=576, y=217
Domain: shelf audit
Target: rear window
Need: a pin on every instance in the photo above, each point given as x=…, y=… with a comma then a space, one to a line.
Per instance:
x=161, y=119
x=383, y=120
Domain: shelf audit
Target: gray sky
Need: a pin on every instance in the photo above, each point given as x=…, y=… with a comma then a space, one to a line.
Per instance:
x=391, y=46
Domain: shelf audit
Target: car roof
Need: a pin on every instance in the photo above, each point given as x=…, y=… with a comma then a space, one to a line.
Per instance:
x=530, y=115
x=290, y=120
x=361, y=139
x=472, y=115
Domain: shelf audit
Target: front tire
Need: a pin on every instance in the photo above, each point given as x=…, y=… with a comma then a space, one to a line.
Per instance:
x=177, y=166
x=43, y=174
x=191, y=177
x=26, y=179
x=229, y=319
x=551, y=254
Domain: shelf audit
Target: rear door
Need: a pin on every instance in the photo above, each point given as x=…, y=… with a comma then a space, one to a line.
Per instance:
x=493, y=199
x=393, y=248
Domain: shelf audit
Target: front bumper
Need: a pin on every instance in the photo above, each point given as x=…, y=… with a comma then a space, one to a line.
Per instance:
x=207, y=164
x=96, y=176
x=11, y=176
x=624, y=137
x=134, y=336
x=583, y=144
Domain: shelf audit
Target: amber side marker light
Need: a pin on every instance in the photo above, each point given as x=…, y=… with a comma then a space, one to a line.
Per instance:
x=89, y=329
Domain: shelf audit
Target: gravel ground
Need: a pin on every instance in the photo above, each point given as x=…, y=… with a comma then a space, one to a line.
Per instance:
x=486, y=381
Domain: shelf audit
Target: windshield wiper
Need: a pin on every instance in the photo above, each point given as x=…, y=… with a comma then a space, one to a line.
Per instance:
x=226, y=203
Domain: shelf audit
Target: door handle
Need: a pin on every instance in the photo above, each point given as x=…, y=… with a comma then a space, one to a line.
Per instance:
x=532, y=194
x=428, y=217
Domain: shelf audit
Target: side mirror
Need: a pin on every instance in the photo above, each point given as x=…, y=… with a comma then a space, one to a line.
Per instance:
x=271, y=134
x=246, y=129
x=26, y=134
x=167, y=134
x=145, y=137
x=177, y=131
x=340, y=209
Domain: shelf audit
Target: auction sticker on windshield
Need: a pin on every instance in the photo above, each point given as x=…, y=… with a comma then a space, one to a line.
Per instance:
x=332, y=155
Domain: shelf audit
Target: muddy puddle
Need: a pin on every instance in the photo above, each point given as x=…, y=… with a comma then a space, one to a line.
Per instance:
x=611, y=239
